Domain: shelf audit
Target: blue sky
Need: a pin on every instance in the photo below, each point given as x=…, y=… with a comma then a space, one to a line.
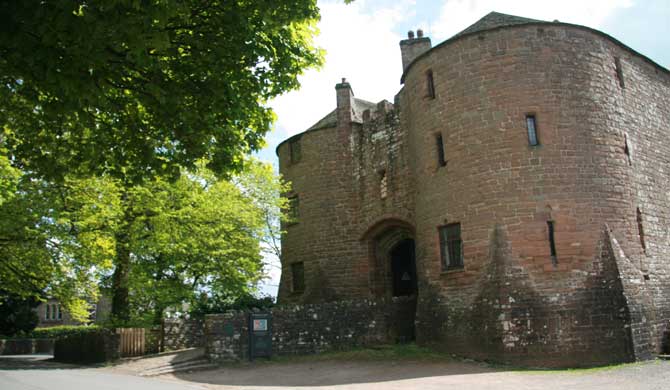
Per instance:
x=361, y=43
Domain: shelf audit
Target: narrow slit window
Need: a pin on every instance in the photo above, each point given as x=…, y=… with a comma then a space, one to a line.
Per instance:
x=293, y=209
x=619, y=71
x=440, y=150
x=640, y=230
x=295, y=151
x=531, y=125
x=430, y=84
x=626, y=149
x=552, y=242
x=298, y=277
x=383, y=186
x=451, y=246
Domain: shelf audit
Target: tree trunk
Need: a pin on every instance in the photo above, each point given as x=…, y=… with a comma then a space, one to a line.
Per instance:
x=120, y=289
x=120, y=303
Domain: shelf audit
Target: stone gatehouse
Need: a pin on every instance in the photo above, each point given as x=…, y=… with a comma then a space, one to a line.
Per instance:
x=518, y=187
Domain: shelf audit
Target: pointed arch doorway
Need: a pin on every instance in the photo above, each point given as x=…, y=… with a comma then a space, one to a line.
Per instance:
x=394, y=274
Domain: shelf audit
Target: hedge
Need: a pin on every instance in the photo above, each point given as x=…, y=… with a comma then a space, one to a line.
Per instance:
x=92, y=346
x=58, y=332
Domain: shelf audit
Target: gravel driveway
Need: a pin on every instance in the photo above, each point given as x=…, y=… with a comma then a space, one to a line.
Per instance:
x=423, y=375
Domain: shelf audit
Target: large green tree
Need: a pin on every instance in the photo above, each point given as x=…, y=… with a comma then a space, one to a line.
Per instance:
x=199, y=235
x=139, y=88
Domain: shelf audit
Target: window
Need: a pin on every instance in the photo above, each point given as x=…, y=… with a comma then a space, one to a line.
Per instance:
x=383, y=186
x=640, y=231
x=298, y=277
x=552, y=242
x=47, y=314
x=293, y=206
x=430, y=85
x=619, y=71
x=531, y=125
x=626, y=149
x=295, y=151
x=451, y=246
x=59, y=313
x=440, y=150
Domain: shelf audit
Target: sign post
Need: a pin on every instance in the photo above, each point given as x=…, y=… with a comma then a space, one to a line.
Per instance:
x=260, y=335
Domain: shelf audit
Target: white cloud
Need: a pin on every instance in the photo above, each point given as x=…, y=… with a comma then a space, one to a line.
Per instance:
x=457, y=15
x=360, y=46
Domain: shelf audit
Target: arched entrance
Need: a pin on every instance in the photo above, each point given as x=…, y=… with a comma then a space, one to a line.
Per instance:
x=403, y=268
x=393, y=274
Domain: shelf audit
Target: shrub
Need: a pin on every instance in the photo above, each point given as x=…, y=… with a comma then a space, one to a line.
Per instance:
x=16, y=314
x=58, y=332
x=91, y=346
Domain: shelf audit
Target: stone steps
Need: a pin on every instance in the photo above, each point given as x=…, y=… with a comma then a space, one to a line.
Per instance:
x=188, y=365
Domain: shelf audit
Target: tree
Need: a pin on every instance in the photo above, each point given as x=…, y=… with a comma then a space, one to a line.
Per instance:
x=57, y=239
x=17, y=314
x=197, y=237
x=137, y=89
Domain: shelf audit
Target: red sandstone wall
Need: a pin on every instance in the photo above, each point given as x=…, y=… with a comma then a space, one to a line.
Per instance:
x=579, y=177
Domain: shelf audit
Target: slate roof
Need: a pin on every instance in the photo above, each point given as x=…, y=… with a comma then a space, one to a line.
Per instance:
x=330, y=120
x=494, y=20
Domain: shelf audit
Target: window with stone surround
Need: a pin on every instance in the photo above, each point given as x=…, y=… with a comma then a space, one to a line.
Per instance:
x=531, y=126
x=293, y=209
x=383, y=185
x=295, y=152
x=430, y=85
x=640, y=230
x=439, y=143
x=451, y=246
x=298, y=277
x=619, y=72
x=552, y=242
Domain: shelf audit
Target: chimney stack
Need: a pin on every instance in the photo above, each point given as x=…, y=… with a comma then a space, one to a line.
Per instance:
x=345, y=97
x=411, y=47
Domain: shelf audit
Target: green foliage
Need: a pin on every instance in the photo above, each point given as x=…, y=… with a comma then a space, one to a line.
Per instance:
x=57, y=239
x=196, y=235
x=138, y=89
x=87, y=346
x=17, y=315
x=220, y=303
x=58, y=332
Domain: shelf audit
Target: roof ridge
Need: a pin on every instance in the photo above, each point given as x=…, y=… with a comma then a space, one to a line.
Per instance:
x=495, y=19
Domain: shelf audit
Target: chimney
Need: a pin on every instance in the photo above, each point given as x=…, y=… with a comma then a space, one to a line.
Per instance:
x=411, y=47
x=345, y=97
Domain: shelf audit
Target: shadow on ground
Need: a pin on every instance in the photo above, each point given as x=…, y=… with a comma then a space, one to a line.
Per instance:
x=34, y=362
x=329, y=373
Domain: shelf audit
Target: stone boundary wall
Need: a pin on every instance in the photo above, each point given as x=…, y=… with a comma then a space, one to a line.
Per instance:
x=182, y=333
x=309, y=329
x=26, y=346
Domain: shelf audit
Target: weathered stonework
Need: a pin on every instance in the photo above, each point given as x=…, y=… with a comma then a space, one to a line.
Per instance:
x=183, y=333
x=308, y=329
x=602, y=156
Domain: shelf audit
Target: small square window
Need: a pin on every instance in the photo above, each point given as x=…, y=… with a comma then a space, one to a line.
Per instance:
x=531, y=125
x=451, y=246
x=298, y=277
x=293, y=209
x=295, y=151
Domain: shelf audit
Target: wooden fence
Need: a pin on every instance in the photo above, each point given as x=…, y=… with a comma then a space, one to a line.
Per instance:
x=133, y=341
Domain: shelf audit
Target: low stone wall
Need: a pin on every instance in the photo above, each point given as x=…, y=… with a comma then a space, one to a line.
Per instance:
x=182, y=333
x=26, y=346
x=308, y=329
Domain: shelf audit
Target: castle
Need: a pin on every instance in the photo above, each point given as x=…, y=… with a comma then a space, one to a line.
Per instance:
x=516, y=194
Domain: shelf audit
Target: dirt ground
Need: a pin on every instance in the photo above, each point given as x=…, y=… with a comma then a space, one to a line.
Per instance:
x=424, y=375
